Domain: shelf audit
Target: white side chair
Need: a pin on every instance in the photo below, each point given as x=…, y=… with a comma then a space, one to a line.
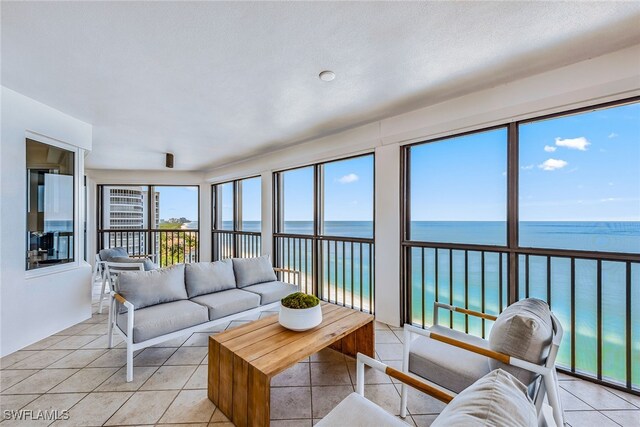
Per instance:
x=99, y=275
x=464, y=358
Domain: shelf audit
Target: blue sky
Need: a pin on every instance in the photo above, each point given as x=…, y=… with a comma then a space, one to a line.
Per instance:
x=348, y=187
x=576, y=168
x=176, y=202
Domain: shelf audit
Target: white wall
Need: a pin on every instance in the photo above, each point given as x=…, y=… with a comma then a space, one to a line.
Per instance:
x=605, y=78
x=103, y=176
x=41, y=302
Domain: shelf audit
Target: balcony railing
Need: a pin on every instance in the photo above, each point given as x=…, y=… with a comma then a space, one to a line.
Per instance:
x=235, y=244
x=596, y=297
x=339, y=270
x=169, y=246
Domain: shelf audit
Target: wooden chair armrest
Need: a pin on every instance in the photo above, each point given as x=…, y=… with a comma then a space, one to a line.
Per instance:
x=122, y=301
x=419, y=384
x=286, y=270
x=465, y=311
x=142, y=256
x=504, y=358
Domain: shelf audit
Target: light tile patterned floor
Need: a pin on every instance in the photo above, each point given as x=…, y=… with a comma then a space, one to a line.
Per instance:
x=74, y=370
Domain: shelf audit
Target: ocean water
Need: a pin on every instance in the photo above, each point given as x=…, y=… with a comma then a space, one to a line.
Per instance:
x=343, y=266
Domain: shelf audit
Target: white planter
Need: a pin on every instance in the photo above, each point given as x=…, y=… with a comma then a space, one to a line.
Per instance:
x=300, y=319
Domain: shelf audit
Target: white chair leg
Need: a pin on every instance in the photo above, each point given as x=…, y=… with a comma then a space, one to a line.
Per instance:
x=104, y=285
x=111, y=318
x=129, y=362
x=554, y=400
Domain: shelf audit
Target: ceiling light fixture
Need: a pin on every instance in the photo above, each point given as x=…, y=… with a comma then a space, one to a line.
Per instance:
x=327, y=76
x=169, y=160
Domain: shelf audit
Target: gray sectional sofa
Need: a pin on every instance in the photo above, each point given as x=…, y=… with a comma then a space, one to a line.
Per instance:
x=149, y=307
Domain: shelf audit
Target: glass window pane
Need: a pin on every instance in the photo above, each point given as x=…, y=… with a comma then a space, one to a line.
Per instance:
x=348, y=197
x=459, y=189
x=175, y=207
x=224, y=195
x=297, y=187
x=126, y=208
x=50, y=203
x=251, y=191
x=580, y=181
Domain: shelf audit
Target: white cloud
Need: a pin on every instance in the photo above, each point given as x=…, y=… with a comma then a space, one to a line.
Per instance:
x=579, y=143
x=550, y=148
x=552, y=164
x=527, y=167
x=612, y=135
x=348, y=179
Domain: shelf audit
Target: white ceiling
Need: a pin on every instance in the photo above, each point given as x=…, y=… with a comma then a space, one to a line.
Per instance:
x=215, y=82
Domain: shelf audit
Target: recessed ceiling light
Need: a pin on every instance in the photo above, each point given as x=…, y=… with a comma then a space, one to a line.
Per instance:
x=327, y=76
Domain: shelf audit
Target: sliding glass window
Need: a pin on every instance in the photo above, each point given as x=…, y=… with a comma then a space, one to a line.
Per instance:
x=324, y=229
x=237, y=218
x=547, y=208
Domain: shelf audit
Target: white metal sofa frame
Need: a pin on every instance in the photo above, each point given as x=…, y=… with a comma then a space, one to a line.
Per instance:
x=548, y=384
x=113, y=268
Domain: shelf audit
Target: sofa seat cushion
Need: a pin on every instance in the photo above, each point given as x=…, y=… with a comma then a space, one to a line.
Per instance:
x=206, y=277
x=446, y=365
x=523, y=330
x=226, y=303
x=163, y=319
x=271, y=291
x=251, y=271
x=358, y=411
x=147, y=288
x=497, y=399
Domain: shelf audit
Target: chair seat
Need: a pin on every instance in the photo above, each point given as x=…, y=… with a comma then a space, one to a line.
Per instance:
x=226, y=303
x=446, y=365
x=162, y=319
x=358, y=411
x=271, y=291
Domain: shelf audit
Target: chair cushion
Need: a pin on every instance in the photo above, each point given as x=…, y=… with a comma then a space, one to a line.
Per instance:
x=497, y=399
x=207, y=277
x=147, y=264
x=445, y=365
x=225, y=303
x=109, y=253
x=163, y=319
x=251, y=271
x=358, y=411
x=271, y=291
x=146, y=288
x=523, y=330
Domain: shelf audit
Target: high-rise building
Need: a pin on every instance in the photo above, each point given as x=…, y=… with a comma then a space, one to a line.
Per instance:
x=126, y=208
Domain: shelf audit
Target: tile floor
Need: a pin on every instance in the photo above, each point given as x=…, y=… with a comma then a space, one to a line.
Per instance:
x=75, y=371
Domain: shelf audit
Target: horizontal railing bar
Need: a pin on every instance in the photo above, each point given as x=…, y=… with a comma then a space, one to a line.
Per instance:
x=237, y=232
x=149, y=230
x=558, y=253
x=322, y=237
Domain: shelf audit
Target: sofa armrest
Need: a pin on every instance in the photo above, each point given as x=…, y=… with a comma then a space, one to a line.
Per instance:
x=122, y=301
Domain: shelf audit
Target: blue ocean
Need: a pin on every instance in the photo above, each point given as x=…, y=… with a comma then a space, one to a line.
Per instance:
x=346, y=275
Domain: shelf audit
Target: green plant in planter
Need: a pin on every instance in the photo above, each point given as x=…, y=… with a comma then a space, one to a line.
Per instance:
x=300, y=300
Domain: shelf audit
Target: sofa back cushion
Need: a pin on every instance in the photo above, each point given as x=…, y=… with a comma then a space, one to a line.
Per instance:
x=146, y=288
x=251, y=271
x=523, y=330
x=110, y=253
x=207, y=277
x=147, y=264
x=497, y=399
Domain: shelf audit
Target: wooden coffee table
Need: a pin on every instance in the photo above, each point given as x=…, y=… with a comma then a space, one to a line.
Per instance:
x=243, y=360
